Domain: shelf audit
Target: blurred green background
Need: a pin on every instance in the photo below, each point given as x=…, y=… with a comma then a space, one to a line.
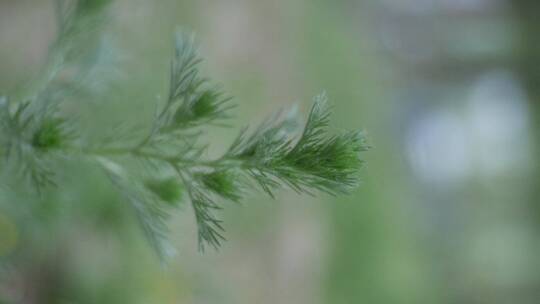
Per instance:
x=448, y=211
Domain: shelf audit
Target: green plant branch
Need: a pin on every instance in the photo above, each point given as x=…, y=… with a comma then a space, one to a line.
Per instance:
x=272, y=156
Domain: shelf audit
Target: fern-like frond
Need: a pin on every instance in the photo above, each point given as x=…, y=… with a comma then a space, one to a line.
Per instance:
x=172, y=151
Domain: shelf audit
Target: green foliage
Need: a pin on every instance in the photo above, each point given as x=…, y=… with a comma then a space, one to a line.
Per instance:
x=27, y=134
x=272, y=156
x=204, y=107
x=315, y=161
x=51, y=134
x=169, y=190
x=223, y=183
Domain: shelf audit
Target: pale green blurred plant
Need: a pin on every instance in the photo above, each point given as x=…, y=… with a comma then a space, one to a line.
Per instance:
x=38, y=135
